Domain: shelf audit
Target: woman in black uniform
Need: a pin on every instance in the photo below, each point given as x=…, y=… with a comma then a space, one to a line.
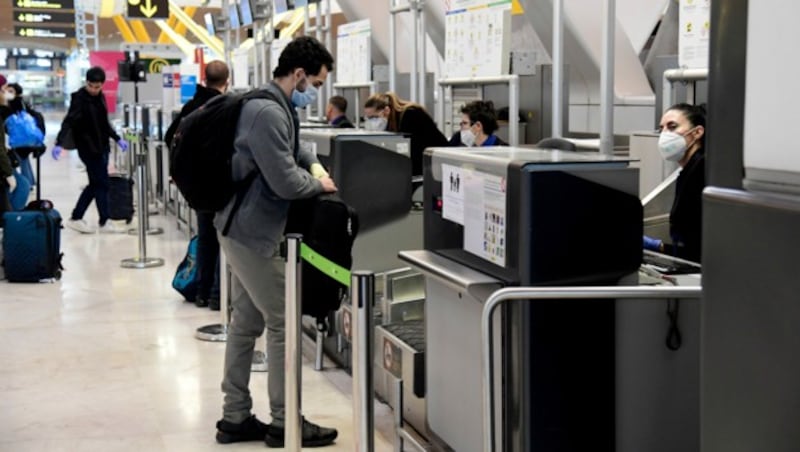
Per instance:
x=682, y=140
x=388, y=112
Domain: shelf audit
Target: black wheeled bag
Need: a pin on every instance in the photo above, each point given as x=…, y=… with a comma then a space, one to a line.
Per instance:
x=329, y=227
x=32, y=243
x=120, y=198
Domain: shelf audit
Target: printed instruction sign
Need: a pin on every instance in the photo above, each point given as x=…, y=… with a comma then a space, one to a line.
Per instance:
x=485, y=216
x=694, y=21
x=477, y=38
x=354, y=52
x=453, y=193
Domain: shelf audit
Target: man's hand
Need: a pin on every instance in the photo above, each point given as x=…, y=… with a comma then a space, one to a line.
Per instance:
x=56, y=152
x=122, y=144
x=327, y=184
x=12, y=183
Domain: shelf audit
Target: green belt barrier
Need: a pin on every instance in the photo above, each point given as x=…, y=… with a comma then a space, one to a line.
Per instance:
x=325, y=265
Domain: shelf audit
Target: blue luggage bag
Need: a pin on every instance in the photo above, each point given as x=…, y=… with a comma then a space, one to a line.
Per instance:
x=32, y=244
x=185, y=279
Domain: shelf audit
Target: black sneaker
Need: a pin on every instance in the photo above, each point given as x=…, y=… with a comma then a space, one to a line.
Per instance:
x=251, y=429
x=313, y=435
x=213, y=304
x=200, y=302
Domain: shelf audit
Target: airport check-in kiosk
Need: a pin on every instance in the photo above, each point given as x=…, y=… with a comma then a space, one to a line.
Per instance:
x=509, y=216
x=372, y=171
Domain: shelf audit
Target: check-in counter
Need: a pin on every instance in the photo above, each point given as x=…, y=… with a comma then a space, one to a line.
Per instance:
x=509, y=216
x=372, y=171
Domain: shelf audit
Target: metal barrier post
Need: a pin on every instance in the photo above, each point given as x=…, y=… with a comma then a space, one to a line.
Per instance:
x=536, y=294
x=143, y=162
x=362, y=294
x=141, y=261
x=293, y=428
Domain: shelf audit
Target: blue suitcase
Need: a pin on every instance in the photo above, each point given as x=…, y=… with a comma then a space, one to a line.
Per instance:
x=32, y=245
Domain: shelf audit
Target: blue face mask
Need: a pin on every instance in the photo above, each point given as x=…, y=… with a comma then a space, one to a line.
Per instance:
x=301, y=99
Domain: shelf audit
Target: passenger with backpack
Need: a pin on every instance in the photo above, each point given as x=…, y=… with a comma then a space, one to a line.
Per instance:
x=87, y=123
x=25, y=129
x=207, y=282
x=268, y=157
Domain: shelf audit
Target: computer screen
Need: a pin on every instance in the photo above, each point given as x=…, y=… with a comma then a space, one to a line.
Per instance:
x=209, y=19
x=233, y=12
x=247, y=12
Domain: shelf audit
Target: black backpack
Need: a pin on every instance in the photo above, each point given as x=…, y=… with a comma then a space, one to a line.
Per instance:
x=201, y=152
x=329, y=227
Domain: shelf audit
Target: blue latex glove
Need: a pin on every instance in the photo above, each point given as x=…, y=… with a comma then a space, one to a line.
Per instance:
x=652, y=244
x=122, y=144
x=56, y=152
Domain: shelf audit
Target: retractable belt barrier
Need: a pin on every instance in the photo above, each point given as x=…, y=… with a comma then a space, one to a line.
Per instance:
x=362, y=284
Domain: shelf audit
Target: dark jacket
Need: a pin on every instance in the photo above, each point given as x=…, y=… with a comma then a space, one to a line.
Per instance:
x=685, y=218
x=5, y=162
x=342, y=123
x=201, y=96
x=87, y=119
x=424, y=134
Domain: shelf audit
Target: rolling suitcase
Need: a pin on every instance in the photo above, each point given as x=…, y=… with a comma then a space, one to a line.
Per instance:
x=32, y=243
x=120, y=198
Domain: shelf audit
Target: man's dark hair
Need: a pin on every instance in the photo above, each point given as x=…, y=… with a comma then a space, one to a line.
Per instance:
x=96, y=74
x=304, y=52
x=339, y=102
x=483, y=112
x=16, y=87
x=217, y=74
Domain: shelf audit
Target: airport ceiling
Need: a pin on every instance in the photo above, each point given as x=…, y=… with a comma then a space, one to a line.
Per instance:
x=110, y=37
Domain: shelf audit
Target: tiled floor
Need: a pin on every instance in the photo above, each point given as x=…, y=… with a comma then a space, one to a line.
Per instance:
x=105, y=359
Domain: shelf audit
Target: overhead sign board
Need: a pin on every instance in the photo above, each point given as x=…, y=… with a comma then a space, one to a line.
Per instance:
x=148, y=9
x=27, y=31
x=43, y=17
x=44, y=4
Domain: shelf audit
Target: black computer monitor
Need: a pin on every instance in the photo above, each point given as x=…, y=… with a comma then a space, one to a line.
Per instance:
x=233, y=13
x=247, y=12
x=209, y=19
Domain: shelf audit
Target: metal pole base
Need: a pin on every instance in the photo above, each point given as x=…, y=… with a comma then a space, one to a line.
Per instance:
x=259, y=362
x=148, y=262
x=212, y=333
x=149, y=231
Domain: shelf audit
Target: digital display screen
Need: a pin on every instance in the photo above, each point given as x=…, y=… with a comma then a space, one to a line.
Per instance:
x=233, y=12
x=209, y=19
x=247, y=13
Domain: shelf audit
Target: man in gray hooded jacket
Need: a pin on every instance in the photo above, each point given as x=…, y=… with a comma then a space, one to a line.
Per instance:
x=267, y=139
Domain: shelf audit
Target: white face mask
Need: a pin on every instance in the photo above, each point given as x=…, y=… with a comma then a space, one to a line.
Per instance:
x=467, y=137
x=375, y=124
x=9, y=95
x=672, y=146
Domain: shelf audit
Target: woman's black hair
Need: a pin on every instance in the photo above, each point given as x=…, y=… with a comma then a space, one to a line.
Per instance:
x=695, y=114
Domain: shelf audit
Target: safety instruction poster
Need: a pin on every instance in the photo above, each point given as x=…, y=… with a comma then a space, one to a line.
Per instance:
x=477, y=38
x=695, y=32
x=354, y=52
x=452, y=193
x=485, y=216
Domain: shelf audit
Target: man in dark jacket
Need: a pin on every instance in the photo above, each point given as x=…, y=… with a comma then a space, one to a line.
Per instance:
x=216, y=83
x=337, y=113
x=216, y=75
x=87, y=124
